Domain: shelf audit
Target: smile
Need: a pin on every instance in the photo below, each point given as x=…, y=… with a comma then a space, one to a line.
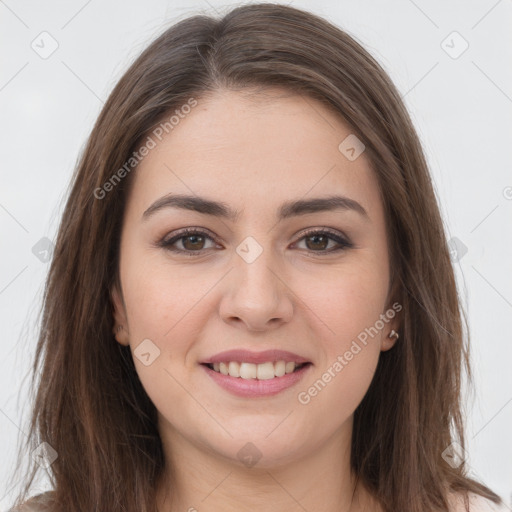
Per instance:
x=263, y=371
x=256, y=380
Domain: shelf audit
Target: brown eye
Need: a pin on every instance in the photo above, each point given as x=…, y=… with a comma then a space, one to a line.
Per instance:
x=192, y=242
x=318, y=241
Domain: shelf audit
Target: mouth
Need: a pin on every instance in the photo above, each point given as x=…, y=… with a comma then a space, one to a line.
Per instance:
x=256, y=381
x=250, y=371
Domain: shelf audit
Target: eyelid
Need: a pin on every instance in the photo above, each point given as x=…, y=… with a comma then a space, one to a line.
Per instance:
x=181, y=233
x=324, y=229
x=338, y=236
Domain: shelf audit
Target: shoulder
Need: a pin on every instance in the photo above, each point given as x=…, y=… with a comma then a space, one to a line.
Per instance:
x=476, y=503
x=39, y=503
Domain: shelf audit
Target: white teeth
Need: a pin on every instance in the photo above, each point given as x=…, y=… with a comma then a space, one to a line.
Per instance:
x=280, y=368
x=263, y=371
x=234, y=369
x=223, y=368
x=246, y=370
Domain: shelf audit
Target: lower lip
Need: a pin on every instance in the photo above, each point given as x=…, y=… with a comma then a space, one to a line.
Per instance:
x=253, y=388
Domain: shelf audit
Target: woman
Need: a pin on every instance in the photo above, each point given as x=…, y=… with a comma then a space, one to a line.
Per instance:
x=251, y=303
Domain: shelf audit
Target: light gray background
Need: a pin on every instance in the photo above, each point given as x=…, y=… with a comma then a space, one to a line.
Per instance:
x=462, y=108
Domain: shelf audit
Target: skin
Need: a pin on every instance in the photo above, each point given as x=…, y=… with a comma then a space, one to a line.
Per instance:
x=253, y=154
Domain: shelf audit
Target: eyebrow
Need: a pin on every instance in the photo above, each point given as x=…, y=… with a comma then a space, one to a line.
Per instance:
x=222, y=210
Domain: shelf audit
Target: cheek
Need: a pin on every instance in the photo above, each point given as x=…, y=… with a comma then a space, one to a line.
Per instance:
x=169, y=306
x=163, y=307
x=348, y=311
x=158, y=296
x=347, y=301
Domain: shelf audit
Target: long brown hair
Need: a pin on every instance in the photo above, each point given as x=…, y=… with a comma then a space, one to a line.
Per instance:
x=90, y=406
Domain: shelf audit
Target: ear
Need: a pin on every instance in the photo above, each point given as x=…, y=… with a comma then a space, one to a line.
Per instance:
x=387, y=341
x=394, y=313
x=120, y=328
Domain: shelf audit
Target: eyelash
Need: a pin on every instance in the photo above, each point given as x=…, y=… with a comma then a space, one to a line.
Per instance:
x=167, y=244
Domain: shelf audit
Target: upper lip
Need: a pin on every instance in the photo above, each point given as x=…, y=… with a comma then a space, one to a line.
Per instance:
x=247, y=356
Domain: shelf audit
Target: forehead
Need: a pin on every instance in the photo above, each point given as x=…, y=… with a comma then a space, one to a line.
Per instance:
x=262, y=147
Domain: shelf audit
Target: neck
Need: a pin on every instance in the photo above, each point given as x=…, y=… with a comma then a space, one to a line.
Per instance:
x=199, y=479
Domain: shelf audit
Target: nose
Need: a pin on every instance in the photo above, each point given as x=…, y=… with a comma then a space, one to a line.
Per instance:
x=256, y=294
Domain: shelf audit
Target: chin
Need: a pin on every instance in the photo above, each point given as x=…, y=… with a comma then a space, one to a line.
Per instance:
x=260, y=451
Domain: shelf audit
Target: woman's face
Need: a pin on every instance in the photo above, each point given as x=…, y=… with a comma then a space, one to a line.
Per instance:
x=258, y=281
